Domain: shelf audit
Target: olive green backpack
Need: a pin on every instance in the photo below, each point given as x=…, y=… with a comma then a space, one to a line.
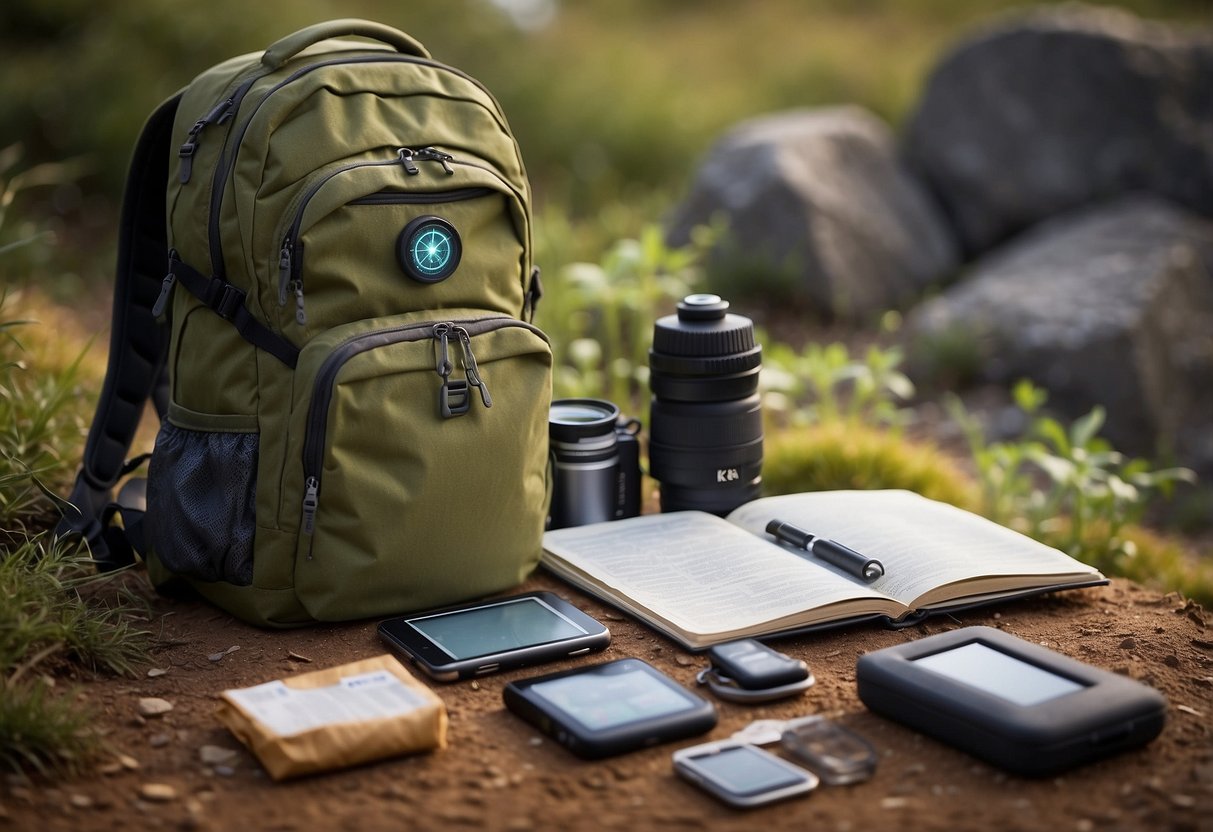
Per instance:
x=353, y=405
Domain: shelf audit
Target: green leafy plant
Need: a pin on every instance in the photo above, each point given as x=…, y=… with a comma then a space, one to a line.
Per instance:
x=1065, y=485
x=825, y=383
x=600, y=315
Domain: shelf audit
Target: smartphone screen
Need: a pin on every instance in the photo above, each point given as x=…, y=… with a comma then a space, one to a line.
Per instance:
x=602, y=702
x=745, y=771
x=742, y=775
x=478, y=638
x=496, y=628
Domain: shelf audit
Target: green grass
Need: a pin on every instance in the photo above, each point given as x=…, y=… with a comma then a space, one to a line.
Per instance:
x=44, y=403
x=57, y=612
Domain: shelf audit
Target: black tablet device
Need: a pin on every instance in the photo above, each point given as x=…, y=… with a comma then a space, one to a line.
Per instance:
x=610, y=708
x=475, y=639
x=1014, y=704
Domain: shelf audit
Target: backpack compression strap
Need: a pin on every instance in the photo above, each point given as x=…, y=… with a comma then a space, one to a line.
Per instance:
x=137, y=351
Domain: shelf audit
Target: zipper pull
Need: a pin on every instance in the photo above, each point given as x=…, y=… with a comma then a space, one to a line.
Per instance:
x=435, y=155
x=166, y=290
x=311, y=501
x=284, y=271
x=218, y=113
x=453, y=397
x=300, y=315
x=443, y=365
x=473, y=372
x=406, y=159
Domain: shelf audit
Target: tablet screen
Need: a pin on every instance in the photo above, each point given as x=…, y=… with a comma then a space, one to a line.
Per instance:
x=997, y=673
x=495, y=628
x=600, y=701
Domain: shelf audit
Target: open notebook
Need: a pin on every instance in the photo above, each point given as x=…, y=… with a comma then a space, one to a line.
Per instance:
x=704, y=580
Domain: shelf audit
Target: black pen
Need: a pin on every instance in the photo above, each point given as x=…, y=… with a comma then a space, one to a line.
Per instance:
x=831, y=551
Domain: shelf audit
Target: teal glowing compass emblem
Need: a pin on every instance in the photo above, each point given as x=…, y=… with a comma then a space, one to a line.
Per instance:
x=429, y=249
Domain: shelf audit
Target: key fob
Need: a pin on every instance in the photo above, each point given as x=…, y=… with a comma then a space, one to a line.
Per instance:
x=754, y=666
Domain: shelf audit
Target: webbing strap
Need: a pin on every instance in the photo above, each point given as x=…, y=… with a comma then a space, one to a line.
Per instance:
x=138, y=341
x=227, y=301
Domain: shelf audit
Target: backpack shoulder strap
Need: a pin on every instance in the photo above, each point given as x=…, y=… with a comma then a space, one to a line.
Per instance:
x=138, y=345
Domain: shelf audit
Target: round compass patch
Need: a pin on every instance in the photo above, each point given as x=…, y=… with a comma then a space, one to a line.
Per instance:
x=429, y=249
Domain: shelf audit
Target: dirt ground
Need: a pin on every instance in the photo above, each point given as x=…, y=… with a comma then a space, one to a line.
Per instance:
x=498, y=773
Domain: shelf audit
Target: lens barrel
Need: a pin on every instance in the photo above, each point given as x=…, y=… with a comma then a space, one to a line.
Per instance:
x=705, y=421
x=585, y=451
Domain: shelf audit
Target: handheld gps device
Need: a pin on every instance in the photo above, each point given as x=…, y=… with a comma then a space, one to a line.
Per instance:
x=1015, y=705
x=488, y=636
x=610, y=708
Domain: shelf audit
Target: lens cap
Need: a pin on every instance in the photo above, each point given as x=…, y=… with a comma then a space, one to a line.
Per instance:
x=704, y=339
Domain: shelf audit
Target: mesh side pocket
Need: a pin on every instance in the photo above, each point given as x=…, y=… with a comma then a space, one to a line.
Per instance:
x=200, y=503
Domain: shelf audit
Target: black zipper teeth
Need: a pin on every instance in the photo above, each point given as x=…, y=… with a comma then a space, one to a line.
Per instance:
x=227, y=165
x=399, y=197
x=292, y=233
x=388, y=197
x=322, y=389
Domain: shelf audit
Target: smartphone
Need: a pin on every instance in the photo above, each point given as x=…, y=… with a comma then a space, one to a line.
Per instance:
x=742, y=775
x=610, y=708
x=474, y=639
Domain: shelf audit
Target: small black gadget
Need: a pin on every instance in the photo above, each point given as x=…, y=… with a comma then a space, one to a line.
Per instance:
x=754, y=666
x=1014, y=704
x=610, y=708
x=741, y=774
x=484, y=637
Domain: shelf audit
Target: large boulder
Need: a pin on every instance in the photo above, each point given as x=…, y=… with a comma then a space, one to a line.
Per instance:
x=1059, y=108
x=819, y=196
x=1110, y=305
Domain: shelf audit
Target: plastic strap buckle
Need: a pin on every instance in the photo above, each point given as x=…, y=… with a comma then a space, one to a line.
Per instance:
x=231, y=300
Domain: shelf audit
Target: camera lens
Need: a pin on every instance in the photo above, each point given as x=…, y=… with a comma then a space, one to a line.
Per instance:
x=585, y=450
x=705, y=425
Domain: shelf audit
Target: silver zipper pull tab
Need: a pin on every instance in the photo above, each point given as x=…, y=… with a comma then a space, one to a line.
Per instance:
x=284, y=271
x=311, y=501
x=300, y=315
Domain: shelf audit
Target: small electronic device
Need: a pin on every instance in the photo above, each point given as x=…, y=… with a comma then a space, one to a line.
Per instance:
x=742, y=775
x=838, y=755
x=754, y=666
x=1014, y=704
x=475, y=639
x=748, y=671
x=610, y=708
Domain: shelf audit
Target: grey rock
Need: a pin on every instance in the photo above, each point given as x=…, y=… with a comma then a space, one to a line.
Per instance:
x=1062, y=107
x=1110, y=305
x=819, y=199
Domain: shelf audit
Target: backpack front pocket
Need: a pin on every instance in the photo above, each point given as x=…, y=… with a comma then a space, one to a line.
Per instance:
x=422, y=463
x=345, y=248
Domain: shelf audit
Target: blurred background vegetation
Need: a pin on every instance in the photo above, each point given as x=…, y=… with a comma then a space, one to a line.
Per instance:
x=613, y=101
